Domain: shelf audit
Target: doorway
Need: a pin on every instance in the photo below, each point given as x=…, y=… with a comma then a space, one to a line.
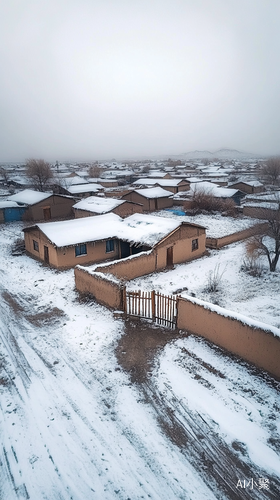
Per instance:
x=169, y=257
x=46, y=254
x=47, y=213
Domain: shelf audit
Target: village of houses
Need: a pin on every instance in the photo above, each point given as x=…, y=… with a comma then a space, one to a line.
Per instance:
x=116, y=281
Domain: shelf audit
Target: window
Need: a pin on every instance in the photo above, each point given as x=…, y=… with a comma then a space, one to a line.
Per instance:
x=110, y=246
x=194, y=244
x=35, y=245
x=80, y=249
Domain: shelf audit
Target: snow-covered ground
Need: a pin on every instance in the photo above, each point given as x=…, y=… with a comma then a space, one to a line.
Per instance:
x=216, y=225
x=73, y=425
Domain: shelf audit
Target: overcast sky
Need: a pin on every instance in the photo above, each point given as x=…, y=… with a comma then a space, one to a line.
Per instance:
x=96, y=79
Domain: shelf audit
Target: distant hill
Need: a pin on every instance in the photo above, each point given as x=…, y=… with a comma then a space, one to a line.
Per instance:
x=221, y=154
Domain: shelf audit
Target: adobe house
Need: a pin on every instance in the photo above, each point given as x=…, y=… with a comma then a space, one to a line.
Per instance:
x=172, y=185
x=43, y=206
x=106, y=237
x=213, y=189
x=152, y=198
x=248, y=187
x=97, y=205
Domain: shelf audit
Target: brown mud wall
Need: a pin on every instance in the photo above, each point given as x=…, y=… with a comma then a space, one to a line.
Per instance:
x=105, y=291
x=131, y=268
x=255, y=345
x=231, y=238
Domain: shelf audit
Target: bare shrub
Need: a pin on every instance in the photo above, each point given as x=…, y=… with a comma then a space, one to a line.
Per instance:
x=229, y=207
x=18, y=247
x=214, y=279
x=252, y=266
x=203, y=201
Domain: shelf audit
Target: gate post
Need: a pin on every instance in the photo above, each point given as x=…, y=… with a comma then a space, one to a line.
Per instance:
x=123, y=298
x=153, y=304
x=177, y=308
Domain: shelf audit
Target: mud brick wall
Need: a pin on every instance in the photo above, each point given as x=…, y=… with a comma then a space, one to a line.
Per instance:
x=132, y=267
x=105, y=290
x=254, y=344
x=231, y=238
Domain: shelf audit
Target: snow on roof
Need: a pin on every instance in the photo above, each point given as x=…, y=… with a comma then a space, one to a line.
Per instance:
x=213, y=189
x=157, y=173
x=84, y=188
x=138, y=228
x=161, y=182
x=29, y=197
x=156, y=192
x=194, y=179
x=98, y=205
x=273, y=196
x=262, y=204
x=8, y=204
x=249, y=183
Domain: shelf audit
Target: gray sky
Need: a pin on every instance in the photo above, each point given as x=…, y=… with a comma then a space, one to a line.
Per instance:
x=93, y=79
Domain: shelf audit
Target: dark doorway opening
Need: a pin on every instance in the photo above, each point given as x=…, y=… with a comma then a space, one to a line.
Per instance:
x=169, y=257
x=47, y=213
x=46, y=254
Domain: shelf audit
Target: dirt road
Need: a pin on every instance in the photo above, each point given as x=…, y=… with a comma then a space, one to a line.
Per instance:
x=219, y=465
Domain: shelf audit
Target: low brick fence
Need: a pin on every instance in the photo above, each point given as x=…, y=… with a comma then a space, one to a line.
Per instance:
x=251, y=340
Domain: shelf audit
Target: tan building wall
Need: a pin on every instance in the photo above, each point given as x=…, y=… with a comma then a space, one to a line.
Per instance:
x=105, y=291
x=183, y=186
x=124, y=210
x=128, y=208
x=58, y=207
x=181, y=242
x=65, y=257
x=247, y=188
x=252, y=344
x=149, y=204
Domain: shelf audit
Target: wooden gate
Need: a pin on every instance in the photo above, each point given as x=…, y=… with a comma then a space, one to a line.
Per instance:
x=152, y=305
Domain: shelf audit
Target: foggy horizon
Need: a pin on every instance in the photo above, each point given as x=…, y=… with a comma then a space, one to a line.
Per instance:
x=88, y=80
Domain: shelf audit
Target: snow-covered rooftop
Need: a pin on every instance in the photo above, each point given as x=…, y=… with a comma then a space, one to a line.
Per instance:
x=138, y=228
x=74, y=181
x=249, y=183
x=29, y=197
x=98, y=205
x=213, y=189
x=8, y=204
x=160, y=182
x=156, y=192
x=84, y=188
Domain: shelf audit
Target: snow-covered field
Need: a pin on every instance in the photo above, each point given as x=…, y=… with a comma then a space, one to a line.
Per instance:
x=73, y=425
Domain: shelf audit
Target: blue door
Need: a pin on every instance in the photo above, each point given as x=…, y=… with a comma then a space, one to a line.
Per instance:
x=13, y=213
